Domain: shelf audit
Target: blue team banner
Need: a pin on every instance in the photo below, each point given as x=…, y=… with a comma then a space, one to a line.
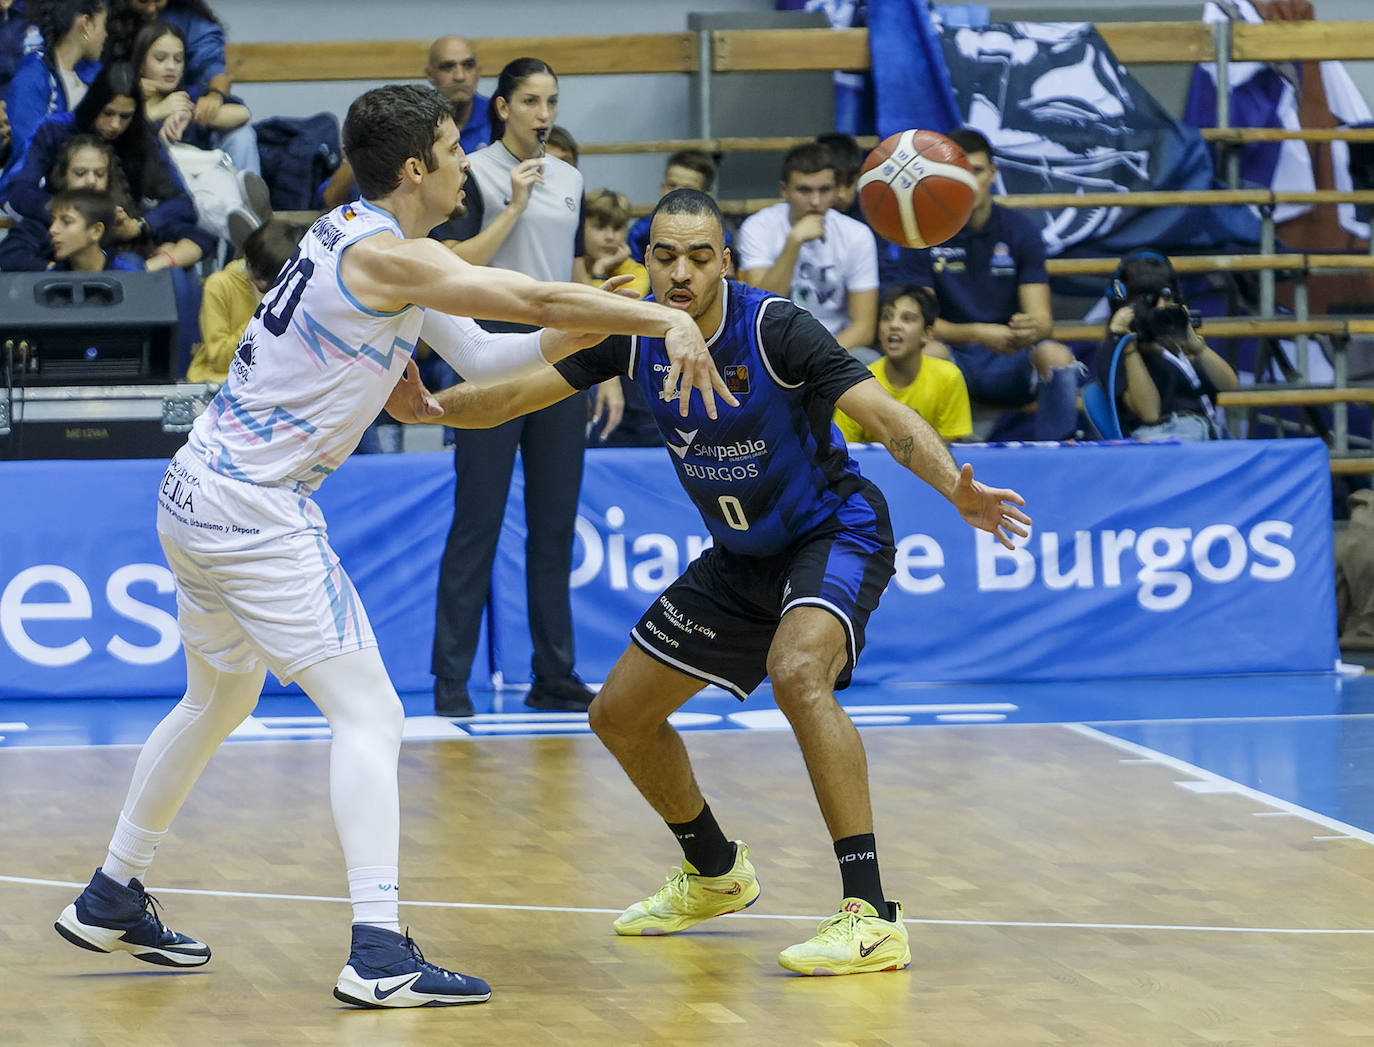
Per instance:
x=87, y=604
x=1144, y=561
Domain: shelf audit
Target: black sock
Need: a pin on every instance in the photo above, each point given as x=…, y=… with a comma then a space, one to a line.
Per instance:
x=703, y=844
x=858, y=857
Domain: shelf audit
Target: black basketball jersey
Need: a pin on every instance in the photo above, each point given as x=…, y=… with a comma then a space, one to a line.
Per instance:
x=767, y=472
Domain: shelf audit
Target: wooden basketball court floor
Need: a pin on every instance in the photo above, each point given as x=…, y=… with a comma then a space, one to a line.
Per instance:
x=1154, y=863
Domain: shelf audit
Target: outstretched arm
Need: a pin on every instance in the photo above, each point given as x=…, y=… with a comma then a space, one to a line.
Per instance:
x=386, y=273
x=918, y=447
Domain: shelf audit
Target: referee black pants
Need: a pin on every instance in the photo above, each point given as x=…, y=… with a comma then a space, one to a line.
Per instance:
x=551, y=442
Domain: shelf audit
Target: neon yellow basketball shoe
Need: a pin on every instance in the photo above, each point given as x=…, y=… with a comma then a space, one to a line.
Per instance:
x=856, y=940
x=688, y=898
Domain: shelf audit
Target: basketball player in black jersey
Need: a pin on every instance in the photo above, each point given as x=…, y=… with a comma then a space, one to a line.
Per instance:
x=802, y=551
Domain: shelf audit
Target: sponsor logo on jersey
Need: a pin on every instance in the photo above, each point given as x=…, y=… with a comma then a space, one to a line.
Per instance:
x=244, y=357
x=349, y=214
x=737, y=378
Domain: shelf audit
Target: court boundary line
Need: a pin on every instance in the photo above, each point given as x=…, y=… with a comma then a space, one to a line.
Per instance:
x=1234, y=787
x=743, y=915
x=482, y=736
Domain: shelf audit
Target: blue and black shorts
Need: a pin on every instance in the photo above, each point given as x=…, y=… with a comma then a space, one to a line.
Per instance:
x=716, y=622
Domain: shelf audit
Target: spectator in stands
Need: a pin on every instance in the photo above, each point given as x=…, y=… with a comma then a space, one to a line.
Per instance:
x=686, y=169
x=112, y=110
x=563, y=145
x=206, y=64
x=56, y=78
x=232, y=295
x=6, y=138
x=1166, y=376
x=80, y=233
x=17, y=38
x=84, y=162
x=626, y=422
x=994, y=297
x=454, y=71
x=219, y=191
x=605, y=219
x=804, y=250
x=848, y=159
x=523, y=212
x=932, y=387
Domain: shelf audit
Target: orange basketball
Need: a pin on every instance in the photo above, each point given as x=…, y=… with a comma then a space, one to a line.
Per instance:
x=916, y=188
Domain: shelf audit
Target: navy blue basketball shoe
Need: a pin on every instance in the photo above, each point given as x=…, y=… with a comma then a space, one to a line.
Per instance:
x=109, y=916
x=386, y=969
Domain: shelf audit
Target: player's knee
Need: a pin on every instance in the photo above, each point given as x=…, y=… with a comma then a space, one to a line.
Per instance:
x=799, y=675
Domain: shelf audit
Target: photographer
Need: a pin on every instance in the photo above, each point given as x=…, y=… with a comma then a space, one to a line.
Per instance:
x=1167, y=377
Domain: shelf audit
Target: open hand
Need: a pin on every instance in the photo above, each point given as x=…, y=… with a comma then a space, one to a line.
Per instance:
x=690, y=367
x=410, y=401
x=990, y=509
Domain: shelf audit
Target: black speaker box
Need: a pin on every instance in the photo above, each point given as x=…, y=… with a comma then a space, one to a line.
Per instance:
x=89, y=328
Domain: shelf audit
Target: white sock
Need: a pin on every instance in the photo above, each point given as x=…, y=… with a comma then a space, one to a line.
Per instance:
x=375, y=894
x=131, y=851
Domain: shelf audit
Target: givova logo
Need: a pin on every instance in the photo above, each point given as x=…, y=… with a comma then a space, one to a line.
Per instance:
x=50, y=593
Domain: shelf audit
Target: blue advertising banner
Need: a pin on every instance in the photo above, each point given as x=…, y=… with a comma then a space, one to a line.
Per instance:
x=1144, y=561
x=87, y=606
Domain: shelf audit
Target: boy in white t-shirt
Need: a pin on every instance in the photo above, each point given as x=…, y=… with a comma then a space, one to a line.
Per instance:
x=802, y=249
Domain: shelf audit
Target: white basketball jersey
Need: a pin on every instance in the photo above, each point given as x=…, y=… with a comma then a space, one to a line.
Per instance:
x=313, y=368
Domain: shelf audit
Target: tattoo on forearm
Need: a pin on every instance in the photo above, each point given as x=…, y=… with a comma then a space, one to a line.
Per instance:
x=902, y=446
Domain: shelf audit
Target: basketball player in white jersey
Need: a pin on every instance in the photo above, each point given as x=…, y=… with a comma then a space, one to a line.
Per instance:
x=258, y=586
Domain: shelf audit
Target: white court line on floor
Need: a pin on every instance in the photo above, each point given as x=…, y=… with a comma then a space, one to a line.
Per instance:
x=745, y=915
x=1212, y=783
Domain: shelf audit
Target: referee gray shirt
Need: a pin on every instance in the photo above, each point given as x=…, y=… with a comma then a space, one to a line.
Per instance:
x=548, y=235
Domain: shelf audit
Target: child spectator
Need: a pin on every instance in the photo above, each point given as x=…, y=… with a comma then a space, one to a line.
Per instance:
x=80, y=230
x=932, y=387
x=84, y=162
x=232, y=294
x=606, y=217
x=55, y=79
x=113, y=110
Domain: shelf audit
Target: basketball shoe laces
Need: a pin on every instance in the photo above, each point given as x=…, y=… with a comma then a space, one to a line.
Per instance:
x=674, y=891
x=419, y=957
x=152, y=908
x=837, y=929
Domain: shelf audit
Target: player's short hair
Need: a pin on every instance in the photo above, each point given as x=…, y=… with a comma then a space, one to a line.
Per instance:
x=689, y=202
x=93, y=206
x=849, y=158
x=387, y=126
x=268, y=247
x=607, y=206
x=561, y=138
x=971, y=141
x=923, y=297
x=807, y=159
x=694, y=160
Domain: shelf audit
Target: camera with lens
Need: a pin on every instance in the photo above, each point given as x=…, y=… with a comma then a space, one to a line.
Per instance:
x=1158, y=318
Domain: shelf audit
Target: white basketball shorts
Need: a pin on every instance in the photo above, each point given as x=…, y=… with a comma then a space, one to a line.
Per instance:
x=256, y=578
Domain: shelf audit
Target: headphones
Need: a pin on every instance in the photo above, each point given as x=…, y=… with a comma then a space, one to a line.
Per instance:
x=1116, y=288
